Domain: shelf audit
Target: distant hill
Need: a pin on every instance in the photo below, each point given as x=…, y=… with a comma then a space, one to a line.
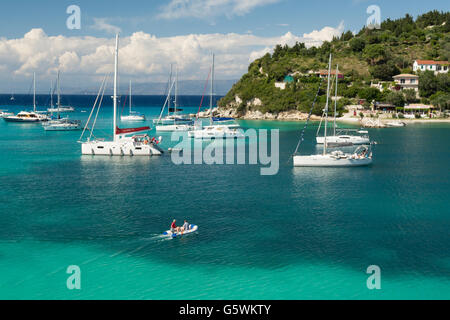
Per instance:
x=185, y=87
x=371, y=55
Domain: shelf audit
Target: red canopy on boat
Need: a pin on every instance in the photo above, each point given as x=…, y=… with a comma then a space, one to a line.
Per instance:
x=131, y=130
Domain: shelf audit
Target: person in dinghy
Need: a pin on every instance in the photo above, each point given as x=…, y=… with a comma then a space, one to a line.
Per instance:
x=173, y=227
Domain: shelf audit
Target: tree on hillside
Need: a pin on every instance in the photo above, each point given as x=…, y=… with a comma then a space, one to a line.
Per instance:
x=396, y=98
x=410, y=95
x=374, y=53
x=428, y=84
x=357, y=44
x=369, y=94
x=347, y=36
x=441, y=100
x=384, y=71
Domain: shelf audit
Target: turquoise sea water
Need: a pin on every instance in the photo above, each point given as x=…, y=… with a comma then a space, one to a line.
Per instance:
x=301, y=234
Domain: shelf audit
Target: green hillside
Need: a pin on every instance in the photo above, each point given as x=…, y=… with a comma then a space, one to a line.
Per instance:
x=370, y=56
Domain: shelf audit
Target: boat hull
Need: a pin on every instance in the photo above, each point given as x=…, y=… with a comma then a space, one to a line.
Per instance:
x=328, y=161
x=132, y=118
x=111, y=148
x=343, y=140
x=16, y=119
x=169, y=233
x=217, y=132
x=62, y=128
x=175, y=128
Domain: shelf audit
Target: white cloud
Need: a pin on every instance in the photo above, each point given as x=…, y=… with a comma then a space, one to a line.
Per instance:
x=326, y=34
x=143, y=57
x=206, y=9
x=102, y=24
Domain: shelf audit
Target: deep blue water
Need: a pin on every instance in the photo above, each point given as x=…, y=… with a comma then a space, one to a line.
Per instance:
x=301, y=234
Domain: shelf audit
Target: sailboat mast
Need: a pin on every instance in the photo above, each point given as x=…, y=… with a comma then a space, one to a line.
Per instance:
x=51, y=93
x=335, y=97
x=176, y=89
x=59, y=96
x=34, y=91
x=212, y=90
x=116, y=71
x=130, y=96
x=326, y=108
x=170, y=89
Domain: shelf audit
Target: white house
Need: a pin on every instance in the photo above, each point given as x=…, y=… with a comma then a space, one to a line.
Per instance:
x=407, y=81
x=430, y=65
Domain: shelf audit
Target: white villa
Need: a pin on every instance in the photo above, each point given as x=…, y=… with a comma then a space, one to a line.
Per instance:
x=407, y=81
x=430, y=65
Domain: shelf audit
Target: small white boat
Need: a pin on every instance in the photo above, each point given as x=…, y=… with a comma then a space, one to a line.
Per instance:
x=173, y=121
x=344, y=139
x=175, y=128
x=395, y=124
x=25, y=116
x=62, y=125
x=62, y=109
x=133, y=115
x=192, y=229
x=360, y=158
x=29, y=116
x=217, y=132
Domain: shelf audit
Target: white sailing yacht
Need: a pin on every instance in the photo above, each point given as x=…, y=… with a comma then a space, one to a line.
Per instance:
x=342, y=137
x=361, y=157
x=60, y=124
x=174, y=121
x=132, y=115
x=28, y=116
x=121, y=145
x=224, y=129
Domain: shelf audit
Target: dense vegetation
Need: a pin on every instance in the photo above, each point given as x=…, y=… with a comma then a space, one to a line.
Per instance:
x=369, y=56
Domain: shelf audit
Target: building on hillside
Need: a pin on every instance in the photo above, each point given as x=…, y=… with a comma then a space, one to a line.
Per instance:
x=282, y=85
x=407, y=81
x=431, y=65
x=422, y=109
x=324, y=74
x=384, y=107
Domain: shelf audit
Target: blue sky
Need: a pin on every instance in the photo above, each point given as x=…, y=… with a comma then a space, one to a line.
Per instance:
x=154, y=34
x=269, y=19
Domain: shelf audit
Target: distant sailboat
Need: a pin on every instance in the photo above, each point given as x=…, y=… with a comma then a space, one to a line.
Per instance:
x=60, y=124
x=342, y=137
x=29, y=116
x=132, y=115
x=121, y=145
x=219, y=128
x=361, y=157
x=174, y=121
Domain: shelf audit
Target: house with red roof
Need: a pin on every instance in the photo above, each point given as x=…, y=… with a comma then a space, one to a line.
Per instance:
x=431, y=65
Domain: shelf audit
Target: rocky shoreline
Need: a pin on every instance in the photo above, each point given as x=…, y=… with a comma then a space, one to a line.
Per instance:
x=300, y=116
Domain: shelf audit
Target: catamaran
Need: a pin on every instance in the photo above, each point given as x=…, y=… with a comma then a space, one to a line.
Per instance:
x=132, y=115
x=342, y=137
x=361, y=157
x=60, y=124
x=174, y=121
x=122, y=144
x=219, y=128
x=29, y=116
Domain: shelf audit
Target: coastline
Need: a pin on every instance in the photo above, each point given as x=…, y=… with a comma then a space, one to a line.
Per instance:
x=293, y=116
